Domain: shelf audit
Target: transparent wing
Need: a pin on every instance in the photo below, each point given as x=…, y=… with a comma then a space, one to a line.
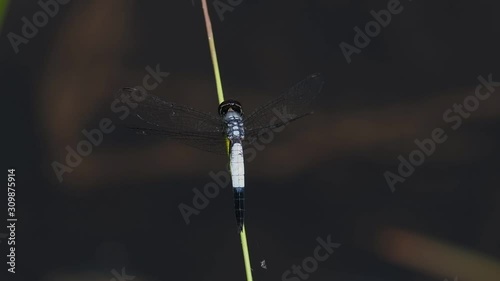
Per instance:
x=291, y=105
x=180, y=123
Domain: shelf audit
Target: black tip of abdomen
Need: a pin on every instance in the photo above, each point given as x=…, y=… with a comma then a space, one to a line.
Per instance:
x=239, y=207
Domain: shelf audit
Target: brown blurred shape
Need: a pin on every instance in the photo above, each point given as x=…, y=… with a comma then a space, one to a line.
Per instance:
x=435, y=257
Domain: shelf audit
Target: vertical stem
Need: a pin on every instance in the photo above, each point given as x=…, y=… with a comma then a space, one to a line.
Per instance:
x=220, y=95
x=246, y=254
x=4, y=4
x=213, y=53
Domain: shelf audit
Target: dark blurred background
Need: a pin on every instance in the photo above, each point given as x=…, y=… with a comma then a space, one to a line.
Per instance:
x=322, y=176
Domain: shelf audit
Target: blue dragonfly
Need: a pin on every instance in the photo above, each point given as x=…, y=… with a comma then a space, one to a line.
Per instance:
x=212, y=132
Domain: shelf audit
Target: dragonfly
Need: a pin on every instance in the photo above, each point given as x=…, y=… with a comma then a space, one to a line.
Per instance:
x=230, y=131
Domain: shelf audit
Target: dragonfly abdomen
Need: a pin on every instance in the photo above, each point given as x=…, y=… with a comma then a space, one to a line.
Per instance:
x=237, y=167
x=235, y=133
x=239, y=206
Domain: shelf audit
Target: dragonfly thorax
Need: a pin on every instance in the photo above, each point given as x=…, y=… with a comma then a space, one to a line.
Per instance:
x=234, y=123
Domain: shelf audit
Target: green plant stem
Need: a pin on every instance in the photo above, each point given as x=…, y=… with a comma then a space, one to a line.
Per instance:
x=213, y=53
x=246, y=254
x=220, y=95
x=4, y=5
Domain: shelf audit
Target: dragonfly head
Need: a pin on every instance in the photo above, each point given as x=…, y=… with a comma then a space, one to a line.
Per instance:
x=230, y=105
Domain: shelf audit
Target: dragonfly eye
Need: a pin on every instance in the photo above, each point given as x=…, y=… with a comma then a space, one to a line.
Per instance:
x=225, y=106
